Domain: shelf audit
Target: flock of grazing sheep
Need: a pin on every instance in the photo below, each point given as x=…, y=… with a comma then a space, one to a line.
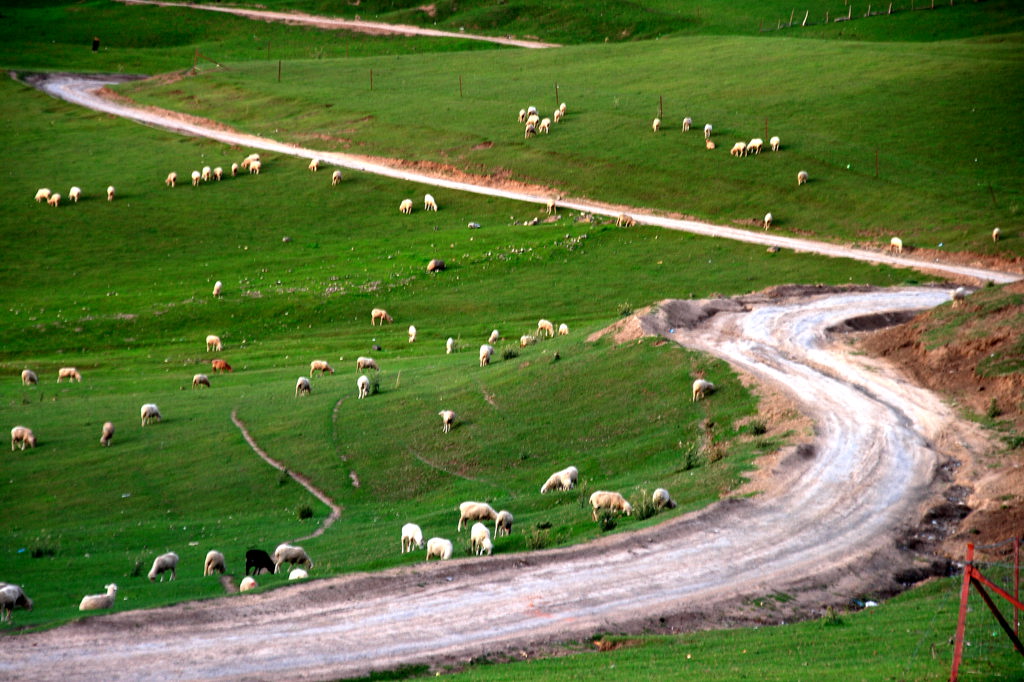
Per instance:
x=74, y=194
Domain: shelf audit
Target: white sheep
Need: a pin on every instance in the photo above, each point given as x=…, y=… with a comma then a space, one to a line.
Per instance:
x=477, y=534
x=755, y=146
x=551, y=206
x=440, y=548
x=545, y=327
x=561, y=480
x=200, y=380
x=656, y=124
x=12, y=597
x=28, y=377
x=435, y=265
x=110, y=193
x=162, y=564
x=527, y=340
x=412, y=333
x=172, y=179
x=557, y=116
x=405, y=207
x=321, y=366
x=363, y=384
x=775, y=143
x=494, y=337
x=218, y=173
x=248, y=161
x=603, y=499
x=707, y=131
x=522, y=115
x=687, y=123
x=995, y=234
x=291, y=554
x=213, y=342
x=214, y=562
x=545, y=126
x=380, y=314
x=768, y=220
x=108, y=434
x=54, y=200
x=69, y=373
x=486, y=351
x=662, y=499
x=531, y=111
x=449, y=346
x=563, y=329
x=234, y=170
x=429, y=202
x=207, y=174
x=95, y=602
x=447, y=419
x=74, y=194
x=801, y=178
x=475, y=511
x=150, y=413
x=486, y=547
x=366, y=363
x=298, y=574
x=42, y=194
x=255, y=167
x=709, y=144
x=896, y=245
x=532, y=119
x=248, y=583
x=218, y=288
x=531, y=130
x=302, y=387
x=22, y=435
x=739, y=149
x=503, y=523
x=196, y=177
x=701, y=389
x=625, y=221
x=335, y=178
x=314, y=165
x=959, y=296
x=412, y=537
x=561, y=107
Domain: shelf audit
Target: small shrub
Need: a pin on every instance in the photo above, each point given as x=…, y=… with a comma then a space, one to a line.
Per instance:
x=993, y=410
x=40, y=551
x=1015, y=442
x=831, y=618
x=509, y=352
x=283, y=478
x=138, y=569
x=691, y=458
x=606, y=521
x=625, y=309
x=644, y=509
x=538, y=538
x=305, y=512
x=758, y=427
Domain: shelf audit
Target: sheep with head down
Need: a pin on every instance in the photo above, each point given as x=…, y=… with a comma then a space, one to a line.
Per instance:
x=214, y=563
x=561, y=480
x=503, y=523
x=302, y=387
x=213, y=342
x=29, y=378
x=321, y=366
x=380, y=314
x=75, y=193
x=363, y=362
x=108, y=434
x=612, y=501
x=486, y=351
x=162, y=564
x=69, y=373
x=475, y=511
x=290, y=554
x=22, y=435
x=110, y=193
x=12, y=597
x=440, y=548
x=150, y=413
x=42, y=194
x=363, y=386
x=662, y=499
x=477, y=535
x=447, y=419
x=545, y=328
x=412, y=537
x=336, y=178
x=429, y=202
x=405, y=207
x=701, y=388
x=200, y=380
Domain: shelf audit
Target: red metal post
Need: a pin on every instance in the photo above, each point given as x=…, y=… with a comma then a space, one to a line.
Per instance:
x=961, y=622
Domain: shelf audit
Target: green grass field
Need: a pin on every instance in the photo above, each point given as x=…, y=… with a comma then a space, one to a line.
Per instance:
x=122, y=289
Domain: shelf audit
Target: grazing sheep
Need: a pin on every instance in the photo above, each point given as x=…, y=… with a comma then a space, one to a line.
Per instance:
x=162, y=564
x=200, y=380
x=380, y=314
x=214, y=562
x=768, y=220
x=801, y=178
x=447, y=419
x=110, y=193
x=254, y=167
x=493, y=338
x=196, y=177
x=248, y=583
x=522, y=115
x=449, y=346
x=775, y=143
x=545, y=327
x=503, y=523
x=75, y=193
x=69, y=373
x=687, y=123
x=366, y=363
x=531, y=111
x=291, y=554
x=551, y=207
x=42, y=194
x=22, y=435
x=207, y=174
x=603, y=499
x=656, y=125
x=320, y=366
x=557, y=116
x=96, y=602
x=258, y=562
x=527, y=340
x=12, y=597
x=28, y=377
x=476, y=511
x=739, y=149
x=477, y=534
x=896, y=245
x=561, y=480
x=412, y=333
x=531, y=130
x=363, y=384
x=298, y=574
x=662, y=499
x=486, y=351
x=429, y=203
x=335, y=178
x=486, y=547
x=314, y=165
x=709, y=144
x=108, y=434
x=707, y=131
x=755, y=146
x=959, y=296
x=234, y=170
x=218, y=288
x=995, y=234
x=218, y=173
x=701, y=389
x=436, y=265
x=302, y=387
x=405, y=207
x=54, y=200
x=412, y=537
x=533, y=119
x=624, y=221
x=563, y=329
x=545, y=126
x=213, y=343
x=561, y=107
x=150, y=413
x=248, y=161
x=440, y=548
x=219, y=365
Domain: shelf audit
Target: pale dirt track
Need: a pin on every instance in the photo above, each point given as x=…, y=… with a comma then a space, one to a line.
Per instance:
x=824, y=529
